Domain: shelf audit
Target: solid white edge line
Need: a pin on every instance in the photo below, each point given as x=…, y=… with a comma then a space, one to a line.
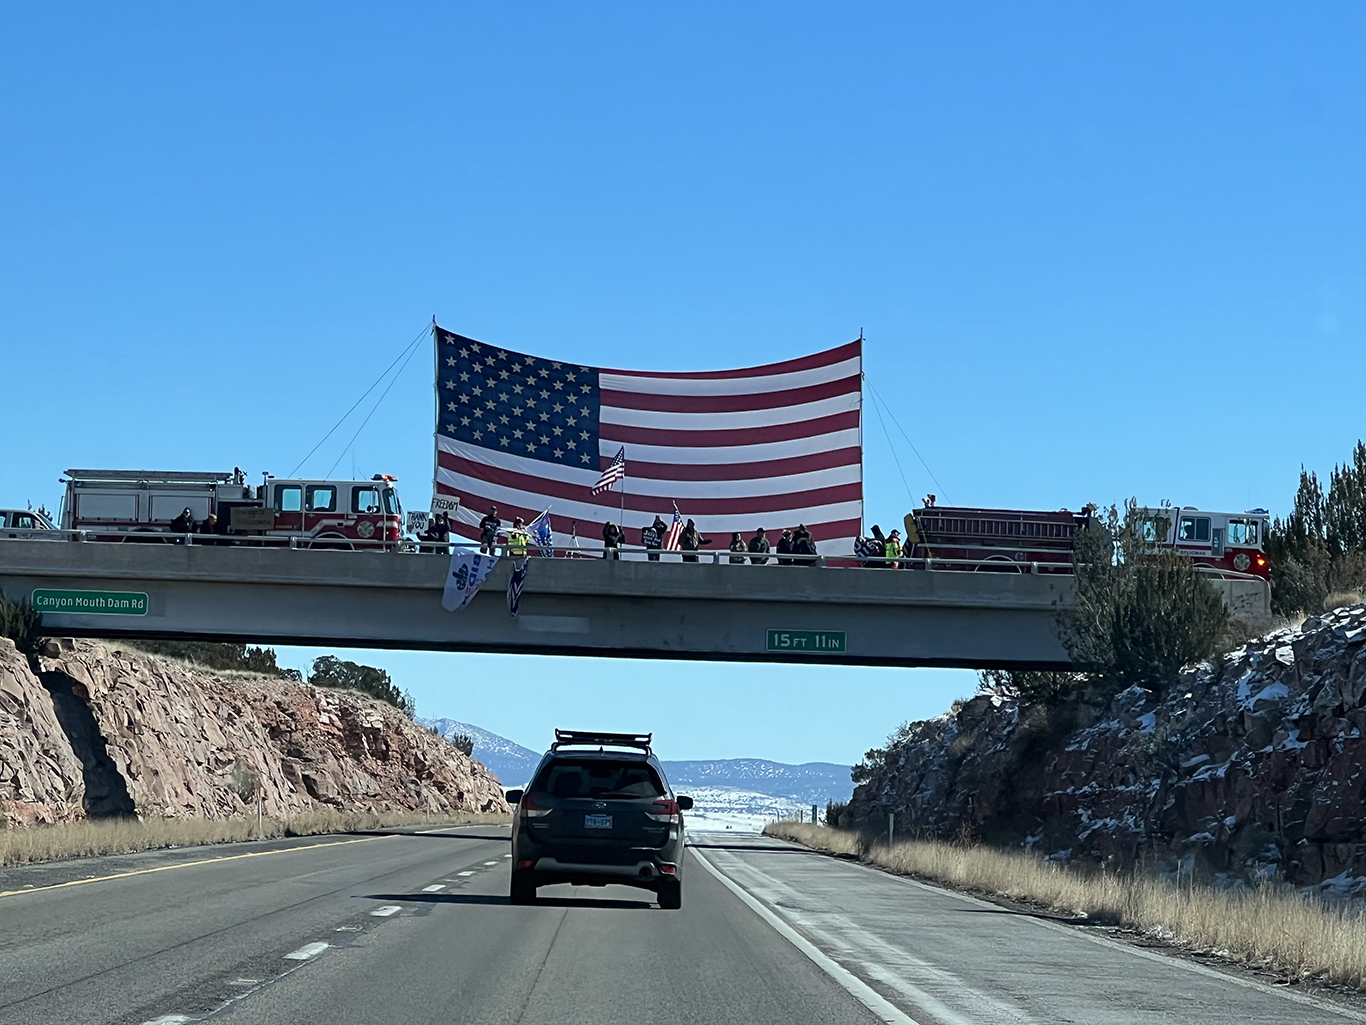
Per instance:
x=307, y=952
x=169, y=1019
x=851, y=983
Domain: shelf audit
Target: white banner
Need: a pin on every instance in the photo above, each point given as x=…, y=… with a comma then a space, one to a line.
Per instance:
x=445, y=504
x=468, y=572
x=418, y=522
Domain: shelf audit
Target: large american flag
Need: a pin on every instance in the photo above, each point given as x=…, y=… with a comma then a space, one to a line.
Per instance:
x=771, y=446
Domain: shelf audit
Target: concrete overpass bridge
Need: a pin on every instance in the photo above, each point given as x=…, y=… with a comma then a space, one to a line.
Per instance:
x=617, y=609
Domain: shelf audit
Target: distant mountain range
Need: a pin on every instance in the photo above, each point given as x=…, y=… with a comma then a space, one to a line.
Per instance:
x=741, y=793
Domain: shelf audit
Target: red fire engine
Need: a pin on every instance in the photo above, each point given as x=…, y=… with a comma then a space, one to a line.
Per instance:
x=116, y=505
x=1016, y=540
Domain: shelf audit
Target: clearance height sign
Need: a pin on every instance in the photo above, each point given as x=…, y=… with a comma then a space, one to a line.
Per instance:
x=86, y=603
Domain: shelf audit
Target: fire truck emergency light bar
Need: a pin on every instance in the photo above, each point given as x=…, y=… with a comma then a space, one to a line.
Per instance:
x=586, y=738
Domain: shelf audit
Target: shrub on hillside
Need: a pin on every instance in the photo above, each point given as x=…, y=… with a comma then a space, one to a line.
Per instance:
x=875, y=758
x=1320, y=547
x=834, y=812
x=1030, y=686
x=339, y=674
x=21, y=624
x=220, y=655
x=1139, y=612
x=463, y=742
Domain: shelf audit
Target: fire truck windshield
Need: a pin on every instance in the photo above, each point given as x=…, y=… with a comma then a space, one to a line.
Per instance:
x=1242, y=532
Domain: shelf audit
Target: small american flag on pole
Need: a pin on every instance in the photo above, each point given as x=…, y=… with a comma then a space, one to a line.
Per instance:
x=675, y=529
x=615, y=471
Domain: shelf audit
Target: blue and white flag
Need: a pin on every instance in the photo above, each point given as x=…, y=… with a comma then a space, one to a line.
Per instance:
x=515, y=583
x=539, y=533
x=469, y=570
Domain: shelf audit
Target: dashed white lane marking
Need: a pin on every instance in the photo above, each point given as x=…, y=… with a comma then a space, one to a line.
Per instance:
x=307, y=952
x=245, y=982
x=487, y=863
x=464, y=873
x=856, y=987
x=507, y=855
x=433, y=888
x=169, y=1019
x=386, y=911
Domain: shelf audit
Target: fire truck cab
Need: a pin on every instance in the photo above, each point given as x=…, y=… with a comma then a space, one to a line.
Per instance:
x=1223, y=541
x=334, y=512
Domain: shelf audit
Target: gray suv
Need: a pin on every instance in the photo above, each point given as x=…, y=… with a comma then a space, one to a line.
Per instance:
x=598, y=810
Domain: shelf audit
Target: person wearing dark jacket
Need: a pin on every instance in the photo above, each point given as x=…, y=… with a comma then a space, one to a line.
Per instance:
x=652, y=537
x=802, y=544
x=737, y=545
x=758, y=547
x=785, y=548
x=690, y=541
x=183, y=524
x=612, y=537
x=488, y=530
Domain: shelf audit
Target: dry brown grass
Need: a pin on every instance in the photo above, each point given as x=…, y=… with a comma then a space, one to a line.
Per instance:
x=89, y=838
x=1301, y=937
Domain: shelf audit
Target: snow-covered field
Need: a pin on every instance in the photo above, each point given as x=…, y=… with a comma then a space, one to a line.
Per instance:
x=722, y=808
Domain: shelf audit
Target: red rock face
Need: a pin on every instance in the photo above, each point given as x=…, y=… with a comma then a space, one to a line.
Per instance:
x=1254, y=766
x=187, y=742
x=40, y=777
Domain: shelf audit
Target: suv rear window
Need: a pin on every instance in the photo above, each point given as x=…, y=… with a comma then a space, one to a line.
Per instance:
x=599, y=777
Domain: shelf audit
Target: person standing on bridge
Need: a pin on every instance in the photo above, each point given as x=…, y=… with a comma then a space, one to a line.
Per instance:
x=184, y=523
x=785, y=548
x=518, y=538
x=652, y=537
x=893, y=549
x=804, y=544
x=690, y=541
x=612, y=536
x=758, y=548
x=738, y=549
x=488, y=531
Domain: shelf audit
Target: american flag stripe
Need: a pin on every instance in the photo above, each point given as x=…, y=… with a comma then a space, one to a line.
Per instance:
x=769, y=446
x=841, y=484
x=516, y=487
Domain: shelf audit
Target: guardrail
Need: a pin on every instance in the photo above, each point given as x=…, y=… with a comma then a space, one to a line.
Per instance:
x=625, y=553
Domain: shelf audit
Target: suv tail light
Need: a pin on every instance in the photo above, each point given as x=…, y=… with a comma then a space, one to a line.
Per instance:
x=532, y=808
x=663, y=810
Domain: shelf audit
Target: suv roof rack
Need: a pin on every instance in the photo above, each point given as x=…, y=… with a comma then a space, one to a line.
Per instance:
x=588, y=738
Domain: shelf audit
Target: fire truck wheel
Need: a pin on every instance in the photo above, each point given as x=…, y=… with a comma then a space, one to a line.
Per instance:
x=144, y=537
x=332, y=542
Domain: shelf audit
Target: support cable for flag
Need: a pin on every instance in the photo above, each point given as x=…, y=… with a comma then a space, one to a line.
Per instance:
x=425, y=330
x=890, y=446
x=878, y=399
x=378, y=403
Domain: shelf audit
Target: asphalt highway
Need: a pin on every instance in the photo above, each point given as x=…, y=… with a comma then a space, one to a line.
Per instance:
x=416, y=928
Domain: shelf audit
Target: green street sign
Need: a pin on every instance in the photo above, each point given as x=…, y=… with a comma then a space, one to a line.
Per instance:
x=88, y=603
x=820, y=642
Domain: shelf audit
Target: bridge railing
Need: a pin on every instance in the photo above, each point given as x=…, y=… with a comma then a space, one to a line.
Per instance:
x=625, y=553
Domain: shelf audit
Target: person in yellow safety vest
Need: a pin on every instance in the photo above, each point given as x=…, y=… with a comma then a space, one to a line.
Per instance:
x=893, y=548
x=518, y=539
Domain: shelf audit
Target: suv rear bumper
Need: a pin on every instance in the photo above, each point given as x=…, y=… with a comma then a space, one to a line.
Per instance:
x=646, y=870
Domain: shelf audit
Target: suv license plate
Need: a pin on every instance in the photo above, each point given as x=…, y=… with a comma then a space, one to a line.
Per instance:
x=597, y=822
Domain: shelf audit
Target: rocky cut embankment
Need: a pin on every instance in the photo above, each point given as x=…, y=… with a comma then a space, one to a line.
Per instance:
x=1250, y=767
x=97, y=731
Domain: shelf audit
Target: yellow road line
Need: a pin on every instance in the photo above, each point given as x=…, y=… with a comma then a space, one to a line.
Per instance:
x=191, y=864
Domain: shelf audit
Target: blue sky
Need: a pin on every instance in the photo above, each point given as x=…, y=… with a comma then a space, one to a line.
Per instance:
x=1096, y=252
